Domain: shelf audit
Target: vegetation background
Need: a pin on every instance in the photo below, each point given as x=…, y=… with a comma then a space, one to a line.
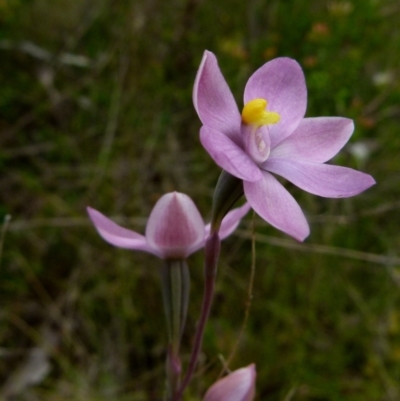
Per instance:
x=95, y=109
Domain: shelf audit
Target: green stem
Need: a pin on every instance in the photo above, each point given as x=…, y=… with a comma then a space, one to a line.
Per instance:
x=175, y=284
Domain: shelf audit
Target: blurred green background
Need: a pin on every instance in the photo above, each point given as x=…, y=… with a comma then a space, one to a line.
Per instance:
x=95, y=109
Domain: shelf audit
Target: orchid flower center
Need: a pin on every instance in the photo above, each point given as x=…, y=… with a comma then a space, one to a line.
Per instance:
x=255, y=116
x=255, y=113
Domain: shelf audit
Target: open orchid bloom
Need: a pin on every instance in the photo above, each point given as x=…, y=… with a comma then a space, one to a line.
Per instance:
x=271, y=135
x=174, y=229
x=237, y=386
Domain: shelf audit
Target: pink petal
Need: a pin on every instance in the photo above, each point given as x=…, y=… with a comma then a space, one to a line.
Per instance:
x=277, y=206
x=237, y=386
x=282, y=84
x=228, y=155
x=315, y=139
x=214, y=101
x=230, y=221
x=175, y=227
x=117, y=235
x=321, y=179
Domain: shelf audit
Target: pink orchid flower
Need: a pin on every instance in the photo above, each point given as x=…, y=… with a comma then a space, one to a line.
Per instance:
x=237, y=386
x=271, y=135
x=174, y=229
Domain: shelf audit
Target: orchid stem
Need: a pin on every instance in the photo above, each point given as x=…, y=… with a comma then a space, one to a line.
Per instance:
x=212, y=249
x=176, y=296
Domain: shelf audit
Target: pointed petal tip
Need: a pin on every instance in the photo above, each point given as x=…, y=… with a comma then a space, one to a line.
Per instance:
x=366, y=181
x=252, y=368
x=208, y=53
x=326, y=180
x=213, y=100
x=299, y=232
x=195, y=95
x=116, y=235
x=93, y=214
x=303, y=235
x=371, y=181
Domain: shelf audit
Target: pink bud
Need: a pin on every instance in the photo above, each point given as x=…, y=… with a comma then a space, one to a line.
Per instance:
x=175, y=226
x=237, y=386
x=174, y=230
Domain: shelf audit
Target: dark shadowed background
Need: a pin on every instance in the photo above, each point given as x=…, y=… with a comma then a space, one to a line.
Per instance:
x=95, y=109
